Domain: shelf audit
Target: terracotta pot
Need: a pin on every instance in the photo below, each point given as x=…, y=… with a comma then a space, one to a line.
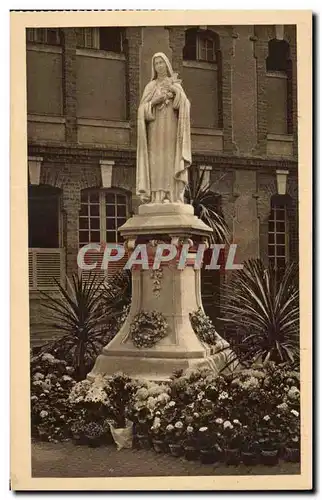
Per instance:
x=191, y=453
x=143, y=441
x=232, y=456
x=249, y=457
x=207, y=456
x=176, y=450
x=269, y=457
x=292, y=454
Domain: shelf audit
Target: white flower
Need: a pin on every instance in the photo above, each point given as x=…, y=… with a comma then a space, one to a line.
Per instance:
x=43, y=414
x=236, y=421
x=38, y=376
x=223, y=395
x=203, y=429
x=295, y=413
x=189, y=429
x=228, y=425
x=178, y=425
x=219, y=421
x=66, y=378
x=171, y=404
x=48, y=357
x=169, y=427
x=200, y=395
x=282, y=406
x=266, y=418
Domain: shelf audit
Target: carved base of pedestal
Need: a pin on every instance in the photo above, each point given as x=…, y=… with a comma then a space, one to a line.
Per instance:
x=157, y=369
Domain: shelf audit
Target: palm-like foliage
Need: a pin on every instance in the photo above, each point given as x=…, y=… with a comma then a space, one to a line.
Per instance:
x=79, y=315
x=205, y=205
x=265, y=309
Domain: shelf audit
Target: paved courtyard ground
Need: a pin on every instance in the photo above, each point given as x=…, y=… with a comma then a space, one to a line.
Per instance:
x=65, y=460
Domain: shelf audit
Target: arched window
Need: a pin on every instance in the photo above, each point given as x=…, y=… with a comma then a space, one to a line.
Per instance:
x=200, y=45
x=110, y=39
x=278, y=234
x=102, y=213
x=279, y=87
x=202, y=76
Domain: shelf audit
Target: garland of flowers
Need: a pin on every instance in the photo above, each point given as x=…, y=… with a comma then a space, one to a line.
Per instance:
x=203, y=327
x=148, y=328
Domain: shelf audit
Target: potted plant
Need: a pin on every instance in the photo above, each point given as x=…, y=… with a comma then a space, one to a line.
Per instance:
x=268, y=442
x=158, y=436
x=78, y=432
x=206, y=440
x=175, y=438
x=94, y=431
x=142, y=422
x=249, y=450
x=232, y=435
x=190, y=444
x=292, y=451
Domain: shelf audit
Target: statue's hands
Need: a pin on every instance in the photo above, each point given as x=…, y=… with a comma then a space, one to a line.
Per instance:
x=158, y=100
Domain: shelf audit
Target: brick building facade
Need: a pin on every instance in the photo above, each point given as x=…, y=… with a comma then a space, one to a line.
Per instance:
x=83, y=90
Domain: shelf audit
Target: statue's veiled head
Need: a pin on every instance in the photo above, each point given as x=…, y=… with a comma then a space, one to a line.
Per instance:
x=161, y=66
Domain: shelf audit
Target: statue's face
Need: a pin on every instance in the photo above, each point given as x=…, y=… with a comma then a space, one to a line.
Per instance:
x=160, y=66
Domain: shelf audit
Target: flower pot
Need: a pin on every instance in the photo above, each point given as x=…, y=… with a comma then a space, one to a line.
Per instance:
x=292, y=454
x=158, y=445
x=143, y=441
x=191, y=453
x=207, y=456
x=94, y=442
x=176, y=450
x=269, y=457
x=232, y=456
x=249, y=457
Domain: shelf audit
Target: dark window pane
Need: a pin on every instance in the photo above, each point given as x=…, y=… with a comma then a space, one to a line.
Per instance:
x=190, y=48
x=53, y=36
x=271, y=238
x=280, y=239
x=111, y=39
x=43, y=218
x=94, y=210
x=83, y=223
x=280, y=250
x=110, y=198
x=280, y=215
x=95, y=236
x=110, y=237
x=110, y=210
x=271, y=226
x=280, y=262
x=121, y=211
x=94, y=197
x=120, y=238
x=121, y=221
x=271, y=250
x=83, y=237
x=280, y=227
x=95, y=223
x=84, y=210
x=110, y=223
x=121, y=199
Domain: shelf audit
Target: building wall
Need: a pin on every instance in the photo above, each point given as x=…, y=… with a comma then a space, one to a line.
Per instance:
x=82, y=110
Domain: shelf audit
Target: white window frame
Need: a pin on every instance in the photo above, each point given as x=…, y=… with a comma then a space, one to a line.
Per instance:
x=88, y=33
x=205, y=39
x=272, y=258
x=102, y=214
x=33, y=35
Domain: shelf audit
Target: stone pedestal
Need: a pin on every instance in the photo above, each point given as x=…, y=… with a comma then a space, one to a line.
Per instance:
x=177, y=295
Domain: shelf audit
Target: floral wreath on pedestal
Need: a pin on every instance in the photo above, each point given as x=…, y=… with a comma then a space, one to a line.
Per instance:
x=148, y=328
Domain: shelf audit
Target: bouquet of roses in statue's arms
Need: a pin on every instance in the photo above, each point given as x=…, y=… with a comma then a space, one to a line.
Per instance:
x=168, y=88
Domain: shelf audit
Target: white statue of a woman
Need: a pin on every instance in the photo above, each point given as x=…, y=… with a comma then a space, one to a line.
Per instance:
x=163, y=147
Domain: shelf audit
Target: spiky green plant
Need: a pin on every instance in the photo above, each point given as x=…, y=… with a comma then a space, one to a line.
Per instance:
x=79, y=315
x=265, y=310
x=205, y=205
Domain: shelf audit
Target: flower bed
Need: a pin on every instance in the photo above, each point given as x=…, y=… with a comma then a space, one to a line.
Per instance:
x=249, y=416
